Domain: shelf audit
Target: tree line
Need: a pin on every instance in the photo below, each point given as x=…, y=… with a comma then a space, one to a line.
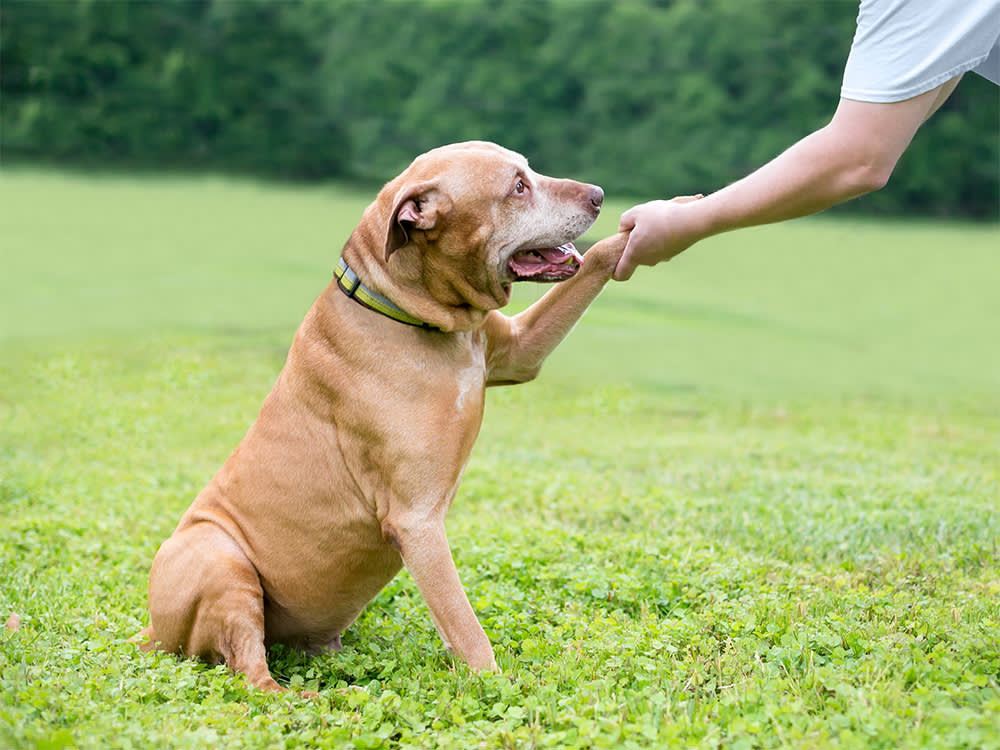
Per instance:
x=645, y=97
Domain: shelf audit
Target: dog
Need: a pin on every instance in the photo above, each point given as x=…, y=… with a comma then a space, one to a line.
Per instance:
x=357, y=453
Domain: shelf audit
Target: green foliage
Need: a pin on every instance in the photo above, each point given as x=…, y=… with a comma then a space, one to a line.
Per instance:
x=185, y=83
x=750, y=503
x=642, y=97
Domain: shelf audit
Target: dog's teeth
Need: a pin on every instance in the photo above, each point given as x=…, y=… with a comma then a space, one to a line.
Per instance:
x=570, y=249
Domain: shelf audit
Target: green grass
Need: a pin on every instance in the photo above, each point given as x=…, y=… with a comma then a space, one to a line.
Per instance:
x=753, y=501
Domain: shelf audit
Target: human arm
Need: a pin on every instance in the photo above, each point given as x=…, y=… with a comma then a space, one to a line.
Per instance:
x=854, y=154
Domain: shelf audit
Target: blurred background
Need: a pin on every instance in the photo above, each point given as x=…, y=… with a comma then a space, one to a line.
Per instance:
x=648, y=99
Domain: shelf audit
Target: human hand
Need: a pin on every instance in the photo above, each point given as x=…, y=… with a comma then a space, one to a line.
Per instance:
x=659, y=230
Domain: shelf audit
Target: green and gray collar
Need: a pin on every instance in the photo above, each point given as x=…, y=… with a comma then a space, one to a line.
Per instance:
x=351, y=285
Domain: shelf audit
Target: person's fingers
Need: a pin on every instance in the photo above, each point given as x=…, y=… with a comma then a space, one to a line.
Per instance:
x=624, y=271
x=626, y=266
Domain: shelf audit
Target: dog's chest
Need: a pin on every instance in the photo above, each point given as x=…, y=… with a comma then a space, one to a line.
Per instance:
x=407, y=416
x=455, y=378
x=469, y=383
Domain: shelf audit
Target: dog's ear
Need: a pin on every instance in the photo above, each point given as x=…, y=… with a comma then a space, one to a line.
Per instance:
x=418, y=206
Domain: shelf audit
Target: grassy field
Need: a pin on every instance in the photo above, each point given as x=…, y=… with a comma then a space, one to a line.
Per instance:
x=752, y=502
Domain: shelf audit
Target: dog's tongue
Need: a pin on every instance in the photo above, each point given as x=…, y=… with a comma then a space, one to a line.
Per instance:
x=546, y=264
x=562, y=254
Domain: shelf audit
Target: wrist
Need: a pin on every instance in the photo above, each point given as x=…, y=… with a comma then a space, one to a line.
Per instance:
x=704, y=219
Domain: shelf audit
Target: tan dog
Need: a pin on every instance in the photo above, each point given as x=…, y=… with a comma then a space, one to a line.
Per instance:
x=357, y=453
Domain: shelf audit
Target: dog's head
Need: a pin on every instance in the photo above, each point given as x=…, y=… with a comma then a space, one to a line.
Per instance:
x=465, y=221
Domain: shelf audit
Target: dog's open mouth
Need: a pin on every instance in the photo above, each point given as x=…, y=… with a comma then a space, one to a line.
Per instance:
x=545, y=264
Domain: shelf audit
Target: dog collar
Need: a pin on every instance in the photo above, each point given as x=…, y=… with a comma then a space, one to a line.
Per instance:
x=351, y=285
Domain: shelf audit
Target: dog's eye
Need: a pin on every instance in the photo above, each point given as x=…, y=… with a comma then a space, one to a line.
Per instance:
x=520, y=187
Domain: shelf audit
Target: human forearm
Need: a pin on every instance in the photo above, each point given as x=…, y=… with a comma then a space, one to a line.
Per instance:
x=853, y=155
x=812, y=175
x=816, y=173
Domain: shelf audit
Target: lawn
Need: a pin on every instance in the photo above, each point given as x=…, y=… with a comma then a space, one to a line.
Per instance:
x=752, y=502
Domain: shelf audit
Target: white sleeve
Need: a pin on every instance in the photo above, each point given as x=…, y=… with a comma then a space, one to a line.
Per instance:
x=903, y=48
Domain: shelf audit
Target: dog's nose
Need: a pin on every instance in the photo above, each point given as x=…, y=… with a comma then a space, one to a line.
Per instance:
x=596, y=196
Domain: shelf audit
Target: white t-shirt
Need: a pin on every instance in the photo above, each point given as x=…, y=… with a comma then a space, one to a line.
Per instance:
x=903, y=48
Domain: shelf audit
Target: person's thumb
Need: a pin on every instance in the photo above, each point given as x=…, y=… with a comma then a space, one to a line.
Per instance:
x=627, y=222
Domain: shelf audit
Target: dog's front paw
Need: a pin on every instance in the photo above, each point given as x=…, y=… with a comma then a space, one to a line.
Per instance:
x=604, y=255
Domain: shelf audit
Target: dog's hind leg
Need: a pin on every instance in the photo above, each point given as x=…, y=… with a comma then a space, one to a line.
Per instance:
x=206, y=600
x=144, y=639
